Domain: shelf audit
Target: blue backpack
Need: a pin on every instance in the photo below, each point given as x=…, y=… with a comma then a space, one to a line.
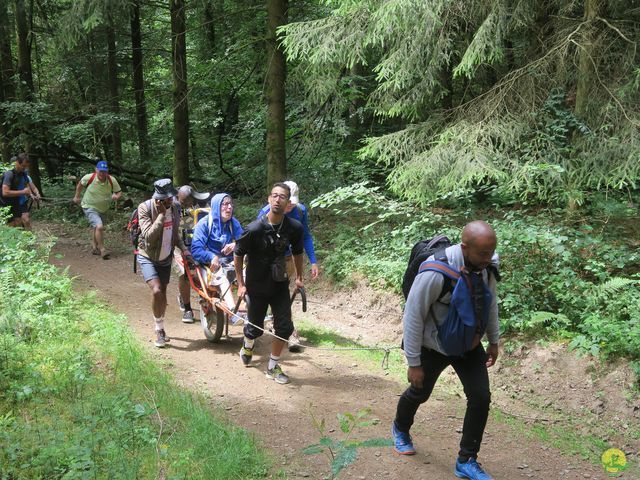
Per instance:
x=469, y=306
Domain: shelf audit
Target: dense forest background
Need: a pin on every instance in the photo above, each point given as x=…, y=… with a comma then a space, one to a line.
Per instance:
x=525, y=101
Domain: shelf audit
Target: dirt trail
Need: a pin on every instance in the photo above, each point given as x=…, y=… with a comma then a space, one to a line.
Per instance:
x=333, y=383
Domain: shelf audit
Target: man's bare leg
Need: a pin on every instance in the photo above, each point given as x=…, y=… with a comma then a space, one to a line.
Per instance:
x=26, y=221
x=159, y=307
x=94, y=247
x=276, y=347
x=184, y=288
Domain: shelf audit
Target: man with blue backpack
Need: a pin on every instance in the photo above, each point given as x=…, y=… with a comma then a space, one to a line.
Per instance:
x=17, y=187
x=451, y=304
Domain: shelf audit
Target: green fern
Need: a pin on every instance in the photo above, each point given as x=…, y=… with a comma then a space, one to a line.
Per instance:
x=606, y=290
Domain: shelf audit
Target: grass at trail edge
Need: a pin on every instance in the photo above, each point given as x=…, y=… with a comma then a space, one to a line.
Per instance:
x=80, y=398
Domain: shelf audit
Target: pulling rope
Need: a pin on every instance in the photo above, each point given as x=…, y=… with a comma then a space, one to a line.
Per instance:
x=56, y=200
x=235, y=319
x=339, y=307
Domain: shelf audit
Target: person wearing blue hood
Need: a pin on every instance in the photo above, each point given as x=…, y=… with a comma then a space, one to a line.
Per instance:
x=214, y=240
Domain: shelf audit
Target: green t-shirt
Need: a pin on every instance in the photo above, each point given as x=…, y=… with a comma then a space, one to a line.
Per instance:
x=98, y=194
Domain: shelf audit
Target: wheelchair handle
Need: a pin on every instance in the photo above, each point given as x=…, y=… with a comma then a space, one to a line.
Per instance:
x=303, y=297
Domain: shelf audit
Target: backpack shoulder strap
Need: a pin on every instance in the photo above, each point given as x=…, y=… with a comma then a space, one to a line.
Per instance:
x=493, y=270
x=91, y=179
x=441, y=256
x=440, y=267
x=450, y=275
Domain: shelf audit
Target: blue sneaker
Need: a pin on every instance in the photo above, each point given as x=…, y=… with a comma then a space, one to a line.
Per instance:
x=402, y=442
x=471, y=470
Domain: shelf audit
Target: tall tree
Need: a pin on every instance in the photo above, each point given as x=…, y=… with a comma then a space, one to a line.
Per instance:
x=114, y=102
x=138, y=83
x=180, y=92
x=27, y=93
x=275, y=93
x=7, y=88
x=587, y=74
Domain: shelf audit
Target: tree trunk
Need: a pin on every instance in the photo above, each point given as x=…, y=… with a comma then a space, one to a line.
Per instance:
x=197, y=168
x=276, y=74
x=209, y=25
x=354, y=119
x=7, y=87
x=138, y=84
x=24, y=52
x=587, y=77
x=180, y=104
x=26, y=78
x=112, y=74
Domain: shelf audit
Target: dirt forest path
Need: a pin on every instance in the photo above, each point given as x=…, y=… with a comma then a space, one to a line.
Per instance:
x=279, y=415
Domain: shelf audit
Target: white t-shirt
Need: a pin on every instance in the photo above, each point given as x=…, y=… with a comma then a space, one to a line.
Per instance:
x=167, y=236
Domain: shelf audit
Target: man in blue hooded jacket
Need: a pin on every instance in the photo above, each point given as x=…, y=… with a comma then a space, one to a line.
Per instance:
x=214, y=240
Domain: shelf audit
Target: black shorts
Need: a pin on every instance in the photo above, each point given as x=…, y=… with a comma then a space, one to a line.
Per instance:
x=280, y=308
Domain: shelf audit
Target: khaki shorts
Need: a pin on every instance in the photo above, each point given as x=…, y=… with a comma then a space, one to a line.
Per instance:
x=96, y=219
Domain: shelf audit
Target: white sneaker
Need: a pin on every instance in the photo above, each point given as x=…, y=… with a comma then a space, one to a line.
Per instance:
x=294, y=342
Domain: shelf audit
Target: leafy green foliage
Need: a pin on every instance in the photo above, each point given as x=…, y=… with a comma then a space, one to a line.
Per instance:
x=562, y=276
x=486, y=92
x=80, y=399
x=343, y=453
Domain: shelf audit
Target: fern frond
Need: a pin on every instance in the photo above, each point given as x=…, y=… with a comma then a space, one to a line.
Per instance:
x=612, y=286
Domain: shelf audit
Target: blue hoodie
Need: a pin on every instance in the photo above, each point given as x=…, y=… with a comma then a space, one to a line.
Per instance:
x=299, y=212
x=212, y=234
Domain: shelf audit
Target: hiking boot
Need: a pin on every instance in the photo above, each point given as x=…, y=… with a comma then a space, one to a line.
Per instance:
x=161, y=339
x=471, y=470
x=245, y=355
x=180, y=303
x=278, y=375
x=187, y=316
x=294, y=342
x=402, y=441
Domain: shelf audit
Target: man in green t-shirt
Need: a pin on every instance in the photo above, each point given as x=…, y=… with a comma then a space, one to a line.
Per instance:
x=100, y=190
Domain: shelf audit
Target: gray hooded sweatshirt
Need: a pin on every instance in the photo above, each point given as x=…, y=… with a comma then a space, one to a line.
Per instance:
x=423, y=311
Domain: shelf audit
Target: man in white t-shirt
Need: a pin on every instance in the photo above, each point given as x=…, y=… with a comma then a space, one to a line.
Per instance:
x=159, y=220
